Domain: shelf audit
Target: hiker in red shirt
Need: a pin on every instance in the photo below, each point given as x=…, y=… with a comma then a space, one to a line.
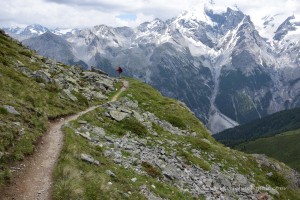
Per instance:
x=119, y=70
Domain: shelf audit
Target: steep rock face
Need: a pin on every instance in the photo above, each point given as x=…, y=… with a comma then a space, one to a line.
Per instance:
x=174, y=74
x=215, y=61
x=53, y=46
x=245, y=81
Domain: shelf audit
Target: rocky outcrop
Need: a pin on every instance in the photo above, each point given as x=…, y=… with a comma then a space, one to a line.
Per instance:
x=93, y=85
x=290, y=174
x=89, y=159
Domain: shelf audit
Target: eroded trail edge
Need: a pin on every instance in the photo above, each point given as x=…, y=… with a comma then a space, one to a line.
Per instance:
x=33, y=179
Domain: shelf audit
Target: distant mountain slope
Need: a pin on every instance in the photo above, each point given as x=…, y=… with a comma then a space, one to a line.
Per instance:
x=53, y=46
x=270, y=125
x=283, y=147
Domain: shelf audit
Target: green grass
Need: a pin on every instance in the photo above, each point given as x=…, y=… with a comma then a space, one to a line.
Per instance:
x=165, y=108
x=191, y=159
x=132, y=125
x=284, y=147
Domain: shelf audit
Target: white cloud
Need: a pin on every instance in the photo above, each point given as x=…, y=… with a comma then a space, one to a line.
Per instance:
x=87, y=13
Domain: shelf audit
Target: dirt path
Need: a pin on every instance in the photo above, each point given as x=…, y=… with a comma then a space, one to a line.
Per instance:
x=33, y=178
x=125, y=86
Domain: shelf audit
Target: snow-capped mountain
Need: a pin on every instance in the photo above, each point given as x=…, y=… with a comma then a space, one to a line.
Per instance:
x=27, y=32
x=225, y=68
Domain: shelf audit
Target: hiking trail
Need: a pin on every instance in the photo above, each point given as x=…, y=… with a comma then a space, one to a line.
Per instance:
x=33, y=177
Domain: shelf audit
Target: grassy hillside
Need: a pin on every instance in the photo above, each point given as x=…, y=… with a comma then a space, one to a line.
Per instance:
x=150, y=153
x=271, y=125
x=284, y=147
x=33, y=90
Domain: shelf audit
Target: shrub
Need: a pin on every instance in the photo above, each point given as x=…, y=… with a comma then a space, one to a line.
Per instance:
x=151, y=171
x=176, y=121
x=3, y=111
x=278, y=179
x=134, y=126
x=81, y=99
x=26, y=53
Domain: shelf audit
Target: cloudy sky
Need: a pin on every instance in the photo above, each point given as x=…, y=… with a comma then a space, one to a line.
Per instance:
x=87, y=13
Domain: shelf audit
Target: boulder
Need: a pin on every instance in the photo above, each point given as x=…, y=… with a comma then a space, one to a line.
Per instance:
x=11, y=110
x=118, y=116
x=67, y=94
x=85, y=135
x=98, y=131
x=71, y=80
x=42, y=76
x=105, y=83
x=98, y=95
x=89, y=159
x=110, y=173
x=137, y=116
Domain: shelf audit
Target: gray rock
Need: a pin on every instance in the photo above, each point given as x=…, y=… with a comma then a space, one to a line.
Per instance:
x=110, y=173
x=82, y=122
x=224, y=180
x=89, y=159
x=99, y=131
x=263, y=160
x=67, y=93
x=137, y=116
x=241, y=179
x=100, y=118
x=25, y=71
x=118, y=116
x=125, y=110
x=270, y=174
x=109, y=139
x=98, y=95
x=71, y=80
x=11, y=110
x=104, y=83
x=17, y=123
x=42, y=76
x=85, y=135
x=134, y=179
x=170, y=172
x=1, y=154
x=273, y=191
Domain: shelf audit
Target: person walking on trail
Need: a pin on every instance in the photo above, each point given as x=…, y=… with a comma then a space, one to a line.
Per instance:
x=119, y=70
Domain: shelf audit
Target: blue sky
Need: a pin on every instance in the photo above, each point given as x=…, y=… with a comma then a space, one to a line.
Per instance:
x=127, y=17
x=87, y=13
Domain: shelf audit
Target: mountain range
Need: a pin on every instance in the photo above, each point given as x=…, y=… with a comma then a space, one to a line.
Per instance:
x=115, y=142
x=226, y=69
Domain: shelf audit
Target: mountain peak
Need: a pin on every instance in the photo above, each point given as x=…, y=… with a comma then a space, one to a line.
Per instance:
x=288, y=29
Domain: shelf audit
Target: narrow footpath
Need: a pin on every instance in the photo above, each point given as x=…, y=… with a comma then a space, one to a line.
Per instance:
x=33, y=177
